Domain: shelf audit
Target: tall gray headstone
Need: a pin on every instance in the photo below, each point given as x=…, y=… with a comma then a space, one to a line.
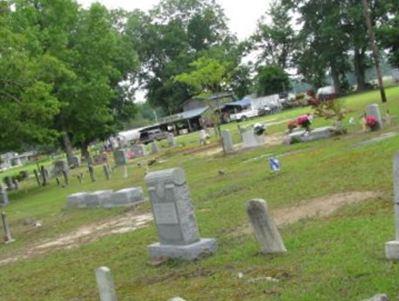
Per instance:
x=374, y=110
x=60, y=166
x=139, y=150
x=105, y=284
x=174, y=217
x=120, y=157
x=250, y=139
x=265, y=229
x=4, y=201
x=227, y=141
x=154, y=147
x=392, y=247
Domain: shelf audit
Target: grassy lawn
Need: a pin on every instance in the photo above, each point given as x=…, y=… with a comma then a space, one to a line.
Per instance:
x=339, y=257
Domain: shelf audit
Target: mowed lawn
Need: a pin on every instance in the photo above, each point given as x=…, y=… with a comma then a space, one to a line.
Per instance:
x=337, y=257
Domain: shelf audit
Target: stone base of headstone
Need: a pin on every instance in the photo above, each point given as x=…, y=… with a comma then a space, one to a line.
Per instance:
x=316, y=134
x=392, y=250
x=77, y=200
x=125, y=197
x=204, y=247
x=98, y=198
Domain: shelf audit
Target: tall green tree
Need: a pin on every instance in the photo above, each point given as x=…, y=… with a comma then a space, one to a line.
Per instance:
x=271, y=80
x=388, y=33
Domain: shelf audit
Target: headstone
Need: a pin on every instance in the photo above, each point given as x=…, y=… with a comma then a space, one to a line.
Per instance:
x=120, y=157
x=105, y=284
x=125, y=197
x=171, y=140
x=374, y=110
x=7, y=233
x=77, y=200
x=250, y=139
x=392, y=247
x=227, y=141
x=4, y=201
x=8, y=181
x=202, y=137
x=265, y=229
x=174, y=217
x=316, y=134
x=138, y=150
x=74, y=161
x=98, y=198
x=154, y=147
x=60, y=166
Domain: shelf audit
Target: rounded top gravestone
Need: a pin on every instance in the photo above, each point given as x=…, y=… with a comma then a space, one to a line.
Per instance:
x=174, y=176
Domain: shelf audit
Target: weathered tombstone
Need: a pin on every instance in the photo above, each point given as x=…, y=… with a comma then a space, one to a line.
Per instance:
x=106, y=171
x=174, y=217
x=125, y=197
x=154, y=147
x=266, y=231
x=37, y=177
x=120, y=157
x=8, y=181
x=98, y=198
x=74, y=161
x=4, y=201
x=227, y=141
x=91, y=172
x=171, y=140
x=139, y=150
x=105, y=284
x=44, y=174
x=392, y=247
x=250, y=139
x=77, y=200
x=7, y=233
x=374, y=110
x=316, y=134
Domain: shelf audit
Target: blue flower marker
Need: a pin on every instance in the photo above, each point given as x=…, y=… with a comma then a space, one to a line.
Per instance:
x=274, y=164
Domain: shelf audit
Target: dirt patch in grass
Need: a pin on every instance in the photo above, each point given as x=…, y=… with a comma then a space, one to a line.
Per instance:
x=318, y=207
x=128, y=222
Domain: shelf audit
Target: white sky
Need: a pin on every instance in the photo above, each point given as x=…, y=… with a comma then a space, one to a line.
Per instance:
x=242, y=14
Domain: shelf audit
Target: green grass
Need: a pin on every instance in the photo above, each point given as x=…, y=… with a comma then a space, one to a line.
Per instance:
x=340, y=257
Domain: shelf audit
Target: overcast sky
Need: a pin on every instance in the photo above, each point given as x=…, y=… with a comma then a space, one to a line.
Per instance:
x=242, y=14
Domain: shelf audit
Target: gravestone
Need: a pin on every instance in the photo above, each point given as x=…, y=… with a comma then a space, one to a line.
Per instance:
x=98, y=198
x=250, y=139
x=171, y=140
x=120, y=157
x=392, y=247
x=4, y=201
x=125, y=197
x=77, y=200
x=174, y=217
x=316, y=134
x=138, y=150
x=374, y=110
x=6, y=227
x=60, y=166
x=227, y=141
x=265, y=229
x=105, y=284
x=74, y=161
x=9, y=183
x=154, y=147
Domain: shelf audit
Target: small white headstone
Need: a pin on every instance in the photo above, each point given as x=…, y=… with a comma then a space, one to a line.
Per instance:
x=105, y=284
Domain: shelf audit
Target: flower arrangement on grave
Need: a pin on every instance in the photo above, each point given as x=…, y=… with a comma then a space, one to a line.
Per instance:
x=259, y=129
x=371, y=122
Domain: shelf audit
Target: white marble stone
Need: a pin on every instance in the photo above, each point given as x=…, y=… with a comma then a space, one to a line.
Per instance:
x=250, y=139
x=265, y=229
x=126, y=197
x=105, y=284
x=227, y=141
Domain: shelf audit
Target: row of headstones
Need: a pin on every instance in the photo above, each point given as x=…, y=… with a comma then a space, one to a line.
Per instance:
x=248, y=136
x=106, y=198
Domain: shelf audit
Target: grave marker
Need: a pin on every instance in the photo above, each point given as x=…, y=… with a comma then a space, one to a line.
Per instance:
x=265, y=229
x=7, y=233
x=105, y=284
x=227, y=141
x=4, y=201
x=154, y=147
x=374, y=110
x=174, y=217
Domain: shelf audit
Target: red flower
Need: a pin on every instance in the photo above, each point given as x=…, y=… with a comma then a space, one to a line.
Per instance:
x=371, y=121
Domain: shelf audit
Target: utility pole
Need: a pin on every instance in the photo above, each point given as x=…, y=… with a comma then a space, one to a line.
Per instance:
x=374, y=49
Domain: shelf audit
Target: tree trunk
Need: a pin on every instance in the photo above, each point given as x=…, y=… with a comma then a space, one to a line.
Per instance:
x=335, y=78
x=360, y=69
x=67, y=146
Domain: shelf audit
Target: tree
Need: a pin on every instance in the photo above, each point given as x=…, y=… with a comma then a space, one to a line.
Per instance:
x=388, y=34
x=271, y=80
x=27, y=106
x=275, y=41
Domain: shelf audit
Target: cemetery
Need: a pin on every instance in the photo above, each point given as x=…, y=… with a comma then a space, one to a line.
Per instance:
x=189, y=150
x=267, y=221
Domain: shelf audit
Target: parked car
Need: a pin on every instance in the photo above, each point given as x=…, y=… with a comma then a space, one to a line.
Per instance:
x=244, y=115
x=152, y=135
